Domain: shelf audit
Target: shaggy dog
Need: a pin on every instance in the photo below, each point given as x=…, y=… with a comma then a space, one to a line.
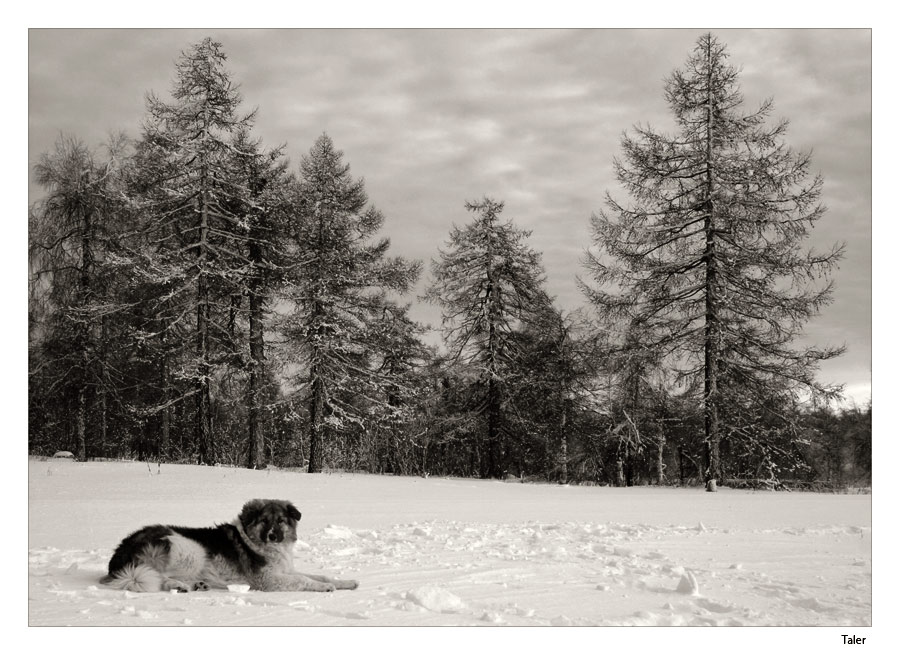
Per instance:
x=255, y=549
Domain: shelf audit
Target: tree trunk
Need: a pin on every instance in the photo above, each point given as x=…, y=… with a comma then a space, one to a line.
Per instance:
x=81, y=455
x=563, y=446
x=84, y=333
x=204, y=415
x=257, y=355
x=104, y=390
x=166, y=414
x=711, y=349
x=494, y=448
x=495, y=454
x=104, y=410
x=317, y=399
x=165, y=430
x=316, y=411
x=629, y=467
x=620, y=471
x=660, y=464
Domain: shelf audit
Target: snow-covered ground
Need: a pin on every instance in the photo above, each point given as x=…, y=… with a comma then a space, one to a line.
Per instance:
x=458, y=552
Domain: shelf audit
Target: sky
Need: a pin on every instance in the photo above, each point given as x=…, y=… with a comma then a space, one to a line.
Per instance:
x=432, y=118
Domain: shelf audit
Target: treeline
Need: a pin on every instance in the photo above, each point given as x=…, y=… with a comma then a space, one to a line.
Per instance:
x=194, y=299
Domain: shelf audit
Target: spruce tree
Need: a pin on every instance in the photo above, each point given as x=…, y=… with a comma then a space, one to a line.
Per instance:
x=708, y=262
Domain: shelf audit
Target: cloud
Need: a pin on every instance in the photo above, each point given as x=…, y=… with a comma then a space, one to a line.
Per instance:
x=432, y=118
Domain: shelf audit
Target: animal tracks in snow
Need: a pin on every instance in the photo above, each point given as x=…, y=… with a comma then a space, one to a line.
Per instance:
x=454, y=573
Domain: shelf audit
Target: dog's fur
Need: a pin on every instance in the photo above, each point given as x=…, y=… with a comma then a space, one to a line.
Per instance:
x=255, y=549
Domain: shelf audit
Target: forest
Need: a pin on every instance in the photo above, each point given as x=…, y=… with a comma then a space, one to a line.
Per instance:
x=194, y=298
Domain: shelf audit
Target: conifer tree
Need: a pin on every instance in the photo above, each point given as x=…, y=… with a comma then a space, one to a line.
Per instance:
x=708, y=260
x=72, y=230
x=337, y=282
x=191, y=191
x=401, y=358
x=262, y=205
x=488, y=283
x=560, y=364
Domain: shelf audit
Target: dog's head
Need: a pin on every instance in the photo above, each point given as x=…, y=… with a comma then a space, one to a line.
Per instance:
x=270, y=521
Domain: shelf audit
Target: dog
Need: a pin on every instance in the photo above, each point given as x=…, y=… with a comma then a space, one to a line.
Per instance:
x=256, y=549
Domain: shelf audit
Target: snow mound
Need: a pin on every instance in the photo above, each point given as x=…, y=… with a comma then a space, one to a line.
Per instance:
x=688, y=585
x=436, y=599
x=338, y=532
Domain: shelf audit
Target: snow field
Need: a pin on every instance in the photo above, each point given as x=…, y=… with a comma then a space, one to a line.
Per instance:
x=444, y=552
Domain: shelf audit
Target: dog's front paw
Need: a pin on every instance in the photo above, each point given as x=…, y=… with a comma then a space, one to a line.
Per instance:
x=201, y=586
x=348, y=584
x=323, y=586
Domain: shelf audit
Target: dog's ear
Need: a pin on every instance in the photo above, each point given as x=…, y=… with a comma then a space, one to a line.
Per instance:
x=292, y=511
x=250, y=511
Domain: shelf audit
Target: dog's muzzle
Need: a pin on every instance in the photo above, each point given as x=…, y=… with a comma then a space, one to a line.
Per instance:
x=274, y=536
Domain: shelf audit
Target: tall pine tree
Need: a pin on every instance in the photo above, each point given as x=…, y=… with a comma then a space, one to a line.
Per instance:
x=707, y=262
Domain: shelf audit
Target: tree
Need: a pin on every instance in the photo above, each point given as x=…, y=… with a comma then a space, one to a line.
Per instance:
x=488, y=283
x=71, y=232
x=839, y=444
x=193, y=197
x=707, y=260
x=262, y=206
x=558, y=362
x=400, y=360
x=337, y=285
x=638, y=406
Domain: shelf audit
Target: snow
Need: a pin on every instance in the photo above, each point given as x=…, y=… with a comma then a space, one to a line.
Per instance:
x=458, y=552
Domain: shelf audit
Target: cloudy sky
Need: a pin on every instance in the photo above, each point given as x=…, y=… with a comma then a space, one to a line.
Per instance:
x=432, y=118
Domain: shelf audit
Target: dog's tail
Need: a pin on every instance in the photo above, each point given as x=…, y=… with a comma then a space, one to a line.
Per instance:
x=134, y=577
